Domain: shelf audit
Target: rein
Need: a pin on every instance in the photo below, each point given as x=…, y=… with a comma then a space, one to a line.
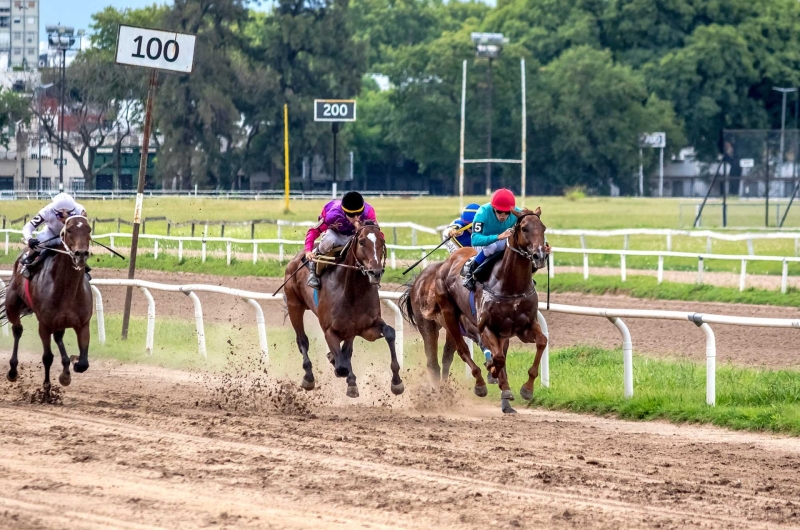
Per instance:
x=68, y=251
x=351, y=250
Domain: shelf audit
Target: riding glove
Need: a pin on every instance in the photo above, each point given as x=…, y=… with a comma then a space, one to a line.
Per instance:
x=33, y=243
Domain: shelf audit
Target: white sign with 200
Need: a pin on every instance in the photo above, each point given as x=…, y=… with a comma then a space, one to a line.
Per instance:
x=151, y=48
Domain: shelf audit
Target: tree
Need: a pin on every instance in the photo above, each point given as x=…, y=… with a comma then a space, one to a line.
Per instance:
x=14, y=108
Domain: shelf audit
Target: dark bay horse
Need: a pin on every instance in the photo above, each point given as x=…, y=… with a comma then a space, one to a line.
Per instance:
x=347, y=306
x=506, y=306
x=59, y=295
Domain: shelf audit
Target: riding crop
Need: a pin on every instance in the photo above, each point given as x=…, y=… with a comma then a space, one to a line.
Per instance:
x=440, y=245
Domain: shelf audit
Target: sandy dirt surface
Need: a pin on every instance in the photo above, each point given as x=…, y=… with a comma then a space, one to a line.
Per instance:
x=141, y=447
x=744, y=346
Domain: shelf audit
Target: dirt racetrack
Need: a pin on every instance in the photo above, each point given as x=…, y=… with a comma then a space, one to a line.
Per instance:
x=143, y=447
x=744, y=346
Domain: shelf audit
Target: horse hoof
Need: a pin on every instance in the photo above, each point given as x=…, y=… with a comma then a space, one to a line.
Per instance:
x=506, y=407
x=65, y=379
x=398, y=389
x=507, y=394
x=12, y=375
x=81, y=367
x=352, y=391
x=525, y=394
x=481, y=391
x=306, y=385
x=341, y=372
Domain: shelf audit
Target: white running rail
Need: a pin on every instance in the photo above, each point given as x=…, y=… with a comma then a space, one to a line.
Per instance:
x=614, y=316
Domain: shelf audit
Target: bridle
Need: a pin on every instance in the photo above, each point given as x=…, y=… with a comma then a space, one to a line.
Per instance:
x=522, y=252
x=351, y=250
x=68, y=251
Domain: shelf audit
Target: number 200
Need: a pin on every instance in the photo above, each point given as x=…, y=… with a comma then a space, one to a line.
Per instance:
x=332, y=109
x=155, y=47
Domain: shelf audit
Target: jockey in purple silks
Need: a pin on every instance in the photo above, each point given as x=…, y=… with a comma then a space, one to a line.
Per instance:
x=337, y=224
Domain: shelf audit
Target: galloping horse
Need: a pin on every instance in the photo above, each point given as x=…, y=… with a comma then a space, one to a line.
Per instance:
x=59, y=295
x=506, y=306
x=347, y=306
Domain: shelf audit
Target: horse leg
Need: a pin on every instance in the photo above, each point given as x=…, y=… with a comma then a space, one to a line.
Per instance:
x=454, y=331
x=430, y=338
x=382, y=329
x=47, y=358
x=341, y=362
x=447, y=356
x=497, y=368
x=65, y=378
x=16, y=330
x=83, y=334
x=534, y=335
x=347, y=353
x=296, y=317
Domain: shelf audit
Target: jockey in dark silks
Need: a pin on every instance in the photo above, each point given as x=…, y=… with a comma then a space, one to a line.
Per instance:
x=337, y=225
x=461, y=229
x=51, y=220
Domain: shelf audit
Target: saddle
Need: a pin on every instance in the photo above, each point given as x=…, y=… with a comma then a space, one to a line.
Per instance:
x=336, y=255
x=484, y=270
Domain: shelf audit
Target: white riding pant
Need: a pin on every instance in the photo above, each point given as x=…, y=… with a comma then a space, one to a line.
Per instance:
x=330, y=240
x=488, y=250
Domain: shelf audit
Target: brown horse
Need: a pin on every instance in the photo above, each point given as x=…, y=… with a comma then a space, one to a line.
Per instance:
x=506, y=306
x=347, y=306
x=59, y=295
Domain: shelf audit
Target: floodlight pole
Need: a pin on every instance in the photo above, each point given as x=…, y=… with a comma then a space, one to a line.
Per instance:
x=461, y=155
x=61, y=121
x=489, y=83
x=137, y=212
x=524, y=119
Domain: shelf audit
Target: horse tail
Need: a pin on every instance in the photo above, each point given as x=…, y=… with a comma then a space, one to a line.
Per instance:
x=3, y=317
x=405, y=305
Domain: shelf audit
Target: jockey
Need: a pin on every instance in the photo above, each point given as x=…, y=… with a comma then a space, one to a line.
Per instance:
x=52, y=217
x=460, y=230
x=338, y=222
x=490, y=229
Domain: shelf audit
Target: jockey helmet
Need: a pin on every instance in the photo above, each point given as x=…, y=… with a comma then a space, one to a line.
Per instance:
x=64, y=203
x=469, y=212
x=352, y=203
x=503, y=200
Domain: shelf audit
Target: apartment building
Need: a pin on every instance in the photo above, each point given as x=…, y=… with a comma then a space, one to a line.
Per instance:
x=19, y=33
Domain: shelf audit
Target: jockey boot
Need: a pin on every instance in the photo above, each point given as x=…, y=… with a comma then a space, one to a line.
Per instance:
x=313, y=279
x=27, y=262
x=469, y=271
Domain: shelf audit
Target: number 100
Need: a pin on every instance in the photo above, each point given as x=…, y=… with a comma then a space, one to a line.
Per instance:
x=155, y=48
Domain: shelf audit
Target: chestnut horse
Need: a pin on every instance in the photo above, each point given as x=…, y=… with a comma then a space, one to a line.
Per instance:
x=347, y=306
x=59, y=295
x=506, y=306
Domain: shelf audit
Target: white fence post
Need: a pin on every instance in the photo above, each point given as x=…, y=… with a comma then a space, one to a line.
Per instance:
x=625, y=242
x=627, y=355
x=398, y=329
x=622, y=267
x=228, y=252
x=708, y=245
x=660, y=268
x=413, y=236
x=261, y=326
x=394, y=260
x=700, y=268
x=583, y=241
x=750, y=249
x=551, y=265
x=198, y=319
x=151, y=321
x=180, y=250
x=544, y=367
x=112, y=243
x=669, y=242
x=155, y=250
x=101, y=320
x=743, y=275
x=784, y=276
x=711, y=365
x=6, y=243
x=255, y=253
x=424, y=261
x=585, y=266
x=5, y=324
x=203, y=252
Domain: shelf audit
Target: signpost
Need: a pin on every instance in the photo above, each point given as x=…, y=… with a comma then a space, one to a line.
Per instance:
x=157, y=50
x=656, y=140
x=334, y=111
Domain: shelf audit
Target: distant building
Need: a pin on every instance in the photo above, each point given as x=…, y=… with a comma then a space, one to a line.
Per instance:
x=19, y=33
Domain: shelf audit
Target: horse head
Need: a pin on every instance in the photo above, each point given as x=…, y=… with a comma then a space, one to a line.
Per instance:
x=369, y=249
x=528, y=237
x=76, y=237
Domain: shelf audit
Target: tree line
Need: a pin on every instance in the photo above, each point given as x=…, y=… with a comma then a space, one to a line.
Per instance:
x=599, y=73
